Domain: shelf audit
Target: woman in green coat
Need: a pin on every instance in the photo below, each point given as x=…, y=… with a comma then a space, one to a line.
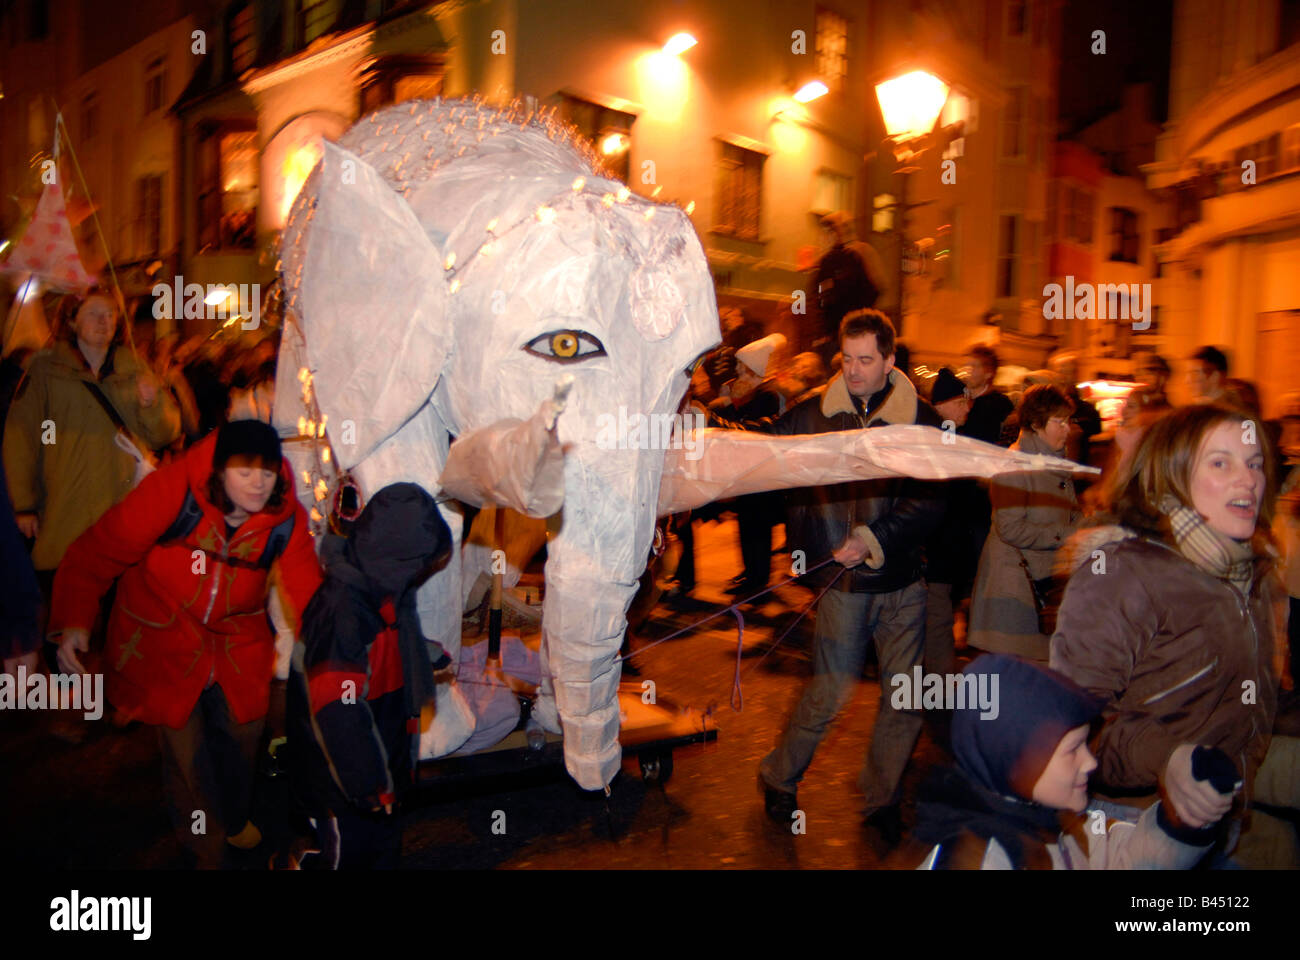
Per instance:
x=64, y=464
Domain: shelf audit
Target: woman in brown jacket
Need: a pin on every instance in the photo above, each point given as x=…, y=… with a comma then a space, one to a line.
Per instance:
x=1033, y=513
x=1173, y=615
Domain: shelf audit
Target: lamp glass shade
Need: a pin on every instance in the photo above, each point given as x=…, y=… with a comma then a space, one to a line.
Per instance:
x=679, y=43
x=811, y=91
x=910, y=104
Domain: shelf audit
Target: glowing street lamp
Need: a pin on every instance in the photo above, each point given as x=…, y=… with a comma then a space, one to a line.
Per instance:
x=811, y=91
x=911, y=104
x=679, y=43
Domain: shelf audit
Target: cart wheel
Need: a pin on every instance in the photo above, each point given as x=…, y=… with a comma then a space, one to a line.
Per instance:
x=656, y=766
x=650, y=767
x=665, y=766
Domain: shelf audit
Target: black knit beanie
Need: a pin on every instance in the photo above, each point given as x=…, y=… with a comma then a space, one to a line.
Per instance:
x=247, y=438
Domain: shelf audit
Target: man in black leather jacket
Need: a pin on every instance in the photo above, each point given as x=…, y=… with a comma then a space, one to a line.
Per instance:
x=875, y=530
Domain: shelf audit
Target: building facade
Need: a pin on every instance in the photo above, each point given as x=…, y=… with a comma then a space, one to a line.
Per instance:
x=973, y=241
x=713, y=128
x=1229, y=162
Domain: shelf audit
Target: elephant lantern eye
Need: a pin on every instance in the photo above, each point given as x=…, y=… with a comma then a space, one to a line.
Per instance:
x=565, y=346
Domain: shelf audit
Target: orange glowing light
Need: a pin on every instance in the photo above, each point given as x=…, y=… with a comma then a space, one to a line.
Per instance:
x=298, y=163
x=811, y=91
x=679, y=43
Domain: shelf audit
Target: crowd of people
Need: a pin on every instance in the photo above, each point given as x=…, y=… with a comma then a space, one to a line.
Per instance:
x=1141, y=628
x=1151, y=608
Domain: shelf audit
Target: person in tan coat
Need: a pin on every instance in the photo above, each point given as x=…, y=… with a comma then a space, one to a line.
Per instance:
x=1033, y=513
x=61, y=456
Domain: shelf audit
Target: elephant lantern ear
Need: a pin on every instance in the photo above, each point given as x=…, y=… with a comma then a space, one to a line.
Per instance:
x=373, y=303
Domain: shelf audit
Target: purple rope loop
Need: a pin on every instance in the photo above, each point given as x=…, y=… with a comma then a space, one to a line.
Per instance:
x=737, y=695
x=718, y=613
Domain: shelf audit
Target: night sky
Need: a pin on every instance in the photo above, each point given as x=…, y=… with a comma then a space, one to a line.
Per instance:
x=1138, y=36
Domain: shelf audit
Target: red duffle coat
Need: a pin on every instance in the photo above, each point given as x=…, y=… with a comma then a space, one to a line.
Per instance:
x=185, y=616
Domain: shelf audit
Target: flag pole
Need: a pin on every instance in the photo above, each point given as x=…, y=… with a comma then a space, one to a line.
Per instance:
x=99, y=230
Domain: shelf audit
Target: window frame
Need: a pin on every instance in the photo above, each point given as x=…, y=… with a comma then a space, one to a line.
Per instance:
x=210, y=135
x=727, y=198
x=155, y=71
x=835, y=82
x=1011, y=258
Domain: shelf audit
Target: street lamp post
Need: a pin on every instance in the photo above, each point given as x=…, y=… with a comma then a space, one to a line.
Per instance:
x=910, y=105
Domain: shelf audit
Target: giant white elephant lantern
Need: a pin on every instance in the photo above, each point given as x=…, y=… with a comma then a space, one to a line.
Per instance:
x=444, y=265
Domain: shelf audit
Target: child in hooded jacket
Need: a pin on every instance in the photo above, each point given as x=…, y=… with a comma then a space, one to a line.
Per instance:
x=1018, y=795
x=362, y=674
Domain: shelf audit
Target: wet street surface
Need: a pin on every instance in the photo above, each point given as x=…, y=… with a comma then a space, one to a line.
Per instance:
x=99, y=804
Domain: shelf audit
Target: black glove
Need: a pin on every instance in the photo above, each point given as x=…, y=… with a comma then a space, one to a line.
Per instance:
x=1212, y=764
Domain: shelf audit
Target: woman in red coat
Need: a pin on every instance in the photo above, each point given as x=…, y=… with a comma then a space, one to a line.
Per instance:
x=189, y=646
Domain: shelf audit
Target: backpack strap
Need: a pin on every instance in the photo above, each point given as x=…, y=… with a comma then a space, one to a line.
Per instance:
x=185, y=521
x=276, y=542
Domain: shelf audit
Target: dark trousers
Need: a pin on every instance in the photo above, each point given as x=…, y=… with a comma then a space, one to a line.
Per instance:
x=1293, y=631
x=685, y=530
x=208, y=766
x=754, y=513
x=369, y=841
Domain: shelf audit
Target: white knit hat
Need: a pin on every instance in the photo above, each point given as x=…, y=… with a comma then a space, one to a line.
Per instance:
x=756, y=355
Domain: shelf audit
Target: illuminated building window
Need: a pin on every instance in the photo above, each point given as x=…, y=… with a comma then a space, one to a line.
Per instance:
x=832, y=191
x=227, y=189
x=241, y=39
x=316, y=18
x=89, y=117
x=608, y=130
x=399, y=78
x=739, y=191
x=882, y=214
x=1008, y=226
x=1123, y=235
x=148, y=215
x=1289, y=159
x=154, y=85
x=832, y=48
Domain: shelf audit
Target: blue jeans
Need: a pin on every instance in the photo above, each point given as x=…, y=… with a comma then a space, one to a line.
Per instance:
x=846, y=623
